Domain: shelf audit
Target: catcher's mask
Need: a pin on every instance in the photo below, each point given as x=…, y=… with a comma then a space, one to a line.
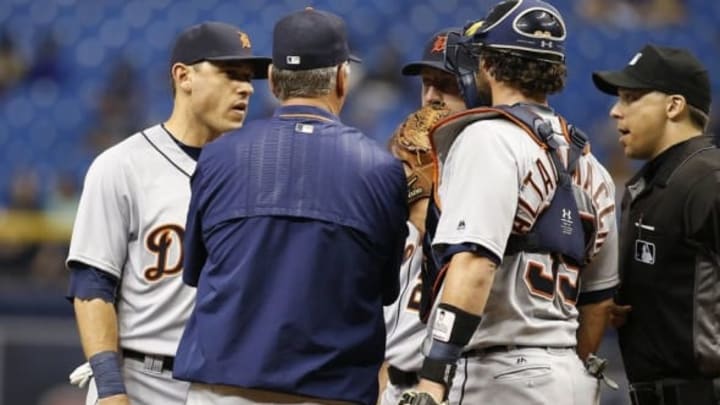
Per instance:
x=410, y=143
x=530, y=29
x=460, y=60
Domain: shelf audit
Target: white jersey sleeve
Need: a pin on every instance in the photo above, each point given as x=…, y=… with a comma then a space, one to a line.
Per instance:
x=479, y=191
x=105, y=217
x=405, y=332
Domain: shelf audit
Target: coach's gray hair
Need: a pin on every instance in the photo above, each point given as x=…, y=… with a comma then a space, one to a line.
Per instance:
x=305, y=83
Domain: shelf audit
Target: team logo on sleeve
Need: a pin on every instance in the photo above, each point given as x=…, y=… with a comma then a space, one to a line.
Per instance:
x=165, y=243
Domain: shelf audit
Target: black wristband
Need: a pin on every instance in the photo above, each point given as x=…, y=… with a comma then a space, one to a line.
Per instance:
x=440, y=372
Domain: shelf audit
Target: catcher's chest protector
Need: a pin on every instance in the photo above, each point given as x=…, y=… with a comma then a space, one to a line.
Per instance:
x=559, y=228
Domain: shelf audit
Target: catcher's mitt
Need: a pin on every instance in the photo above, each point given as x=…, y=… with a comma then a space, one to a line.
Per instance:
x=411, y=144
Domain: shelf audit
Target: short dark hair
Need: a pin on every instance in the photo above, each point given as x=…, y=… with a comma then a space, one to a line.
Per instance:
x=698, y=117
x=534, y=78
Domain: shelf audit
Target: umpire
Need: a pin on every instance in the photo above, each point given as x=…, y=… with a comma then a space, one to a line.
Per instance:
x=670, y=233
x=295, y=235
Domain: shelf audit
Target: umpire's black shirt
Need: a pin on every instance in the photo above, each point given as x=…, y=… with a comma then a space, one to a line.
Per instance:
x=670, y=265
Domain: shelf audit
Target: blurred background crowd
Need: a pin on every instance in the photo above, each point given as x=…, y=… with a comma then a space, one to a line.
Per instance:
x=77, y=76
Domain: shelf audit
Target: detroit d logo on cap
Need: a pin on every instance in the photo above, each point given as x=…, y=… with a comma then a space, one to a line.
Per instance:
x=244, y=40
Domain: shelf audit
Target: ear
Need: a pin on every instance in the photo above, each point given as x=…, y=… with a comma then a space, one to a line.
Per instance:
x=270, y=85
x=341, y=81
x=675, y=107
x=181, y=76
x=483, y=66
x=270, y=79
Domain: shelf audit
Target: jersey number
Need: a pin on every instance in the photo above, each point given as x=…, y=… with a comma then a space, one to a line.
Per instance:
x=163, y=241
x=545, y=283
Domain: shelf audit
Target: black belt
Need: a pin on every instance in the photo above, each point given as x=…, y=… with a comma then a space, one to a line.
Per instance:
x=402, y=378
x=508, y=348
x=676, y=392
x=152, y=361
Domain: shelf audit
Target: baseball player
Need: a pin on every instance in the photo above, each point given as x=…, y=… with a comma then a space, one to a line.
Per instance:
x=126, y=250
x=526, y=232
x=411, y=144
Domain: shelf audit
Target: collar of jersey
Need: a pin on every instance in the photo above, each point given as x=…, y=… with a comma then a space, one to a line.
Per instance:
x=305, y=111
x=659, y=170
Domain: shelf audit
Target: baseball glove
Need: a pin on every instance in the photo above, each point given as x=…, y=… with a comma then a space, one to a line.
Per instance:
x=411, y=144
x=418, y=398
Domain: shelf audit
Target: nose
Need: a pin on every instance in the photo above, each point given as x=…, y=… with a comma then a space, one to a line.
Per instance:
x=245, y=89
x=431, y=94
x=615, y=111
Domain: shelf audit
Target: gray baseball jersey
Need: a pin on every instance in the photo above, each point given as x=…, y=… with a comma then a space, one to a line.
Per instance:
x=529, y=304
x=130, y=223
x=405, y=332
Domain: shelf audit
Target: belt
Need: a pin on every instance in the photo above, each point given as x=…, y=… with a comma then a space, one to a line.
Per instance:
x=152, y=362
x=676, y=392
x=509, y=348
x=402, y=378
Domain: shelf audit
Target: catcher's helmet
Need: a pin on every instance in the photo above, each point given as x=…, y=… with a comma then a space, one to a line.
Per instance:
x=528, y=28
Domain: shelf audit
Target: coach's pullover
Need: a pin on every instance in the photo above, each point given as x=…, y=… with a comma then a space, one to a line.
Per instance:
x=294, y=239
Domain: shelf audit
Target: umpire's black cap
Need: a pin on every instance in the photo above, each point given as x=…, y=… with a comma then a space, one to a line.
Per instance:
x=217, y=41
x=664, y=69
x=310, y=39
x=433, y=54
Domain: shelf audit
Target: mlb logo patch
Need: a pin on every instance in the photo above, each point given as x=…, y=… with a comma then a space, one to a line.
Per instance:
x=292, y=60
x=304, y=128
x=644, y=251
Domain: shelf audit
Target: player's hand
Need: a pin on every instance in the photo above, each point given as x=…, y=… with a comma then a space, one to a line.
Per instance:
x=437, y=391
x=120, y=399
x=413, y=397
x=619, y=314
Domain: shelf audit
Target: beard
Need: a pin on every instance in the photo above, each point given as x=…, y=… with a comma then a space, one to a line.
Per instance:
x=483, y=88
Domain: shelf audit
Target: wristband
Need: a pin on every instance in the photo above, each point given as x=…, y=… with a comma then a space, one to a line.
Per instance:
x=107, y=374
x=439, y=371
x=454, y=325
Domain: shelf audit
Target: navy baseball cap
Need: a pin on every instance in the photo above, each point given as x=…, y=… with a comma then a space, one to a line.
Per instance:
x=310, y=39
x=664, y=69
x=433, y=54
x=217, y=41
x=528, y=28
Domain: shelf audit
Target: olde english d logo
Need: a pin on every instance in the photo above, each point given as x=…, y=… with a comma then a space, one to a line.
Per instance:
x=165, y=243
x=644, y=251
